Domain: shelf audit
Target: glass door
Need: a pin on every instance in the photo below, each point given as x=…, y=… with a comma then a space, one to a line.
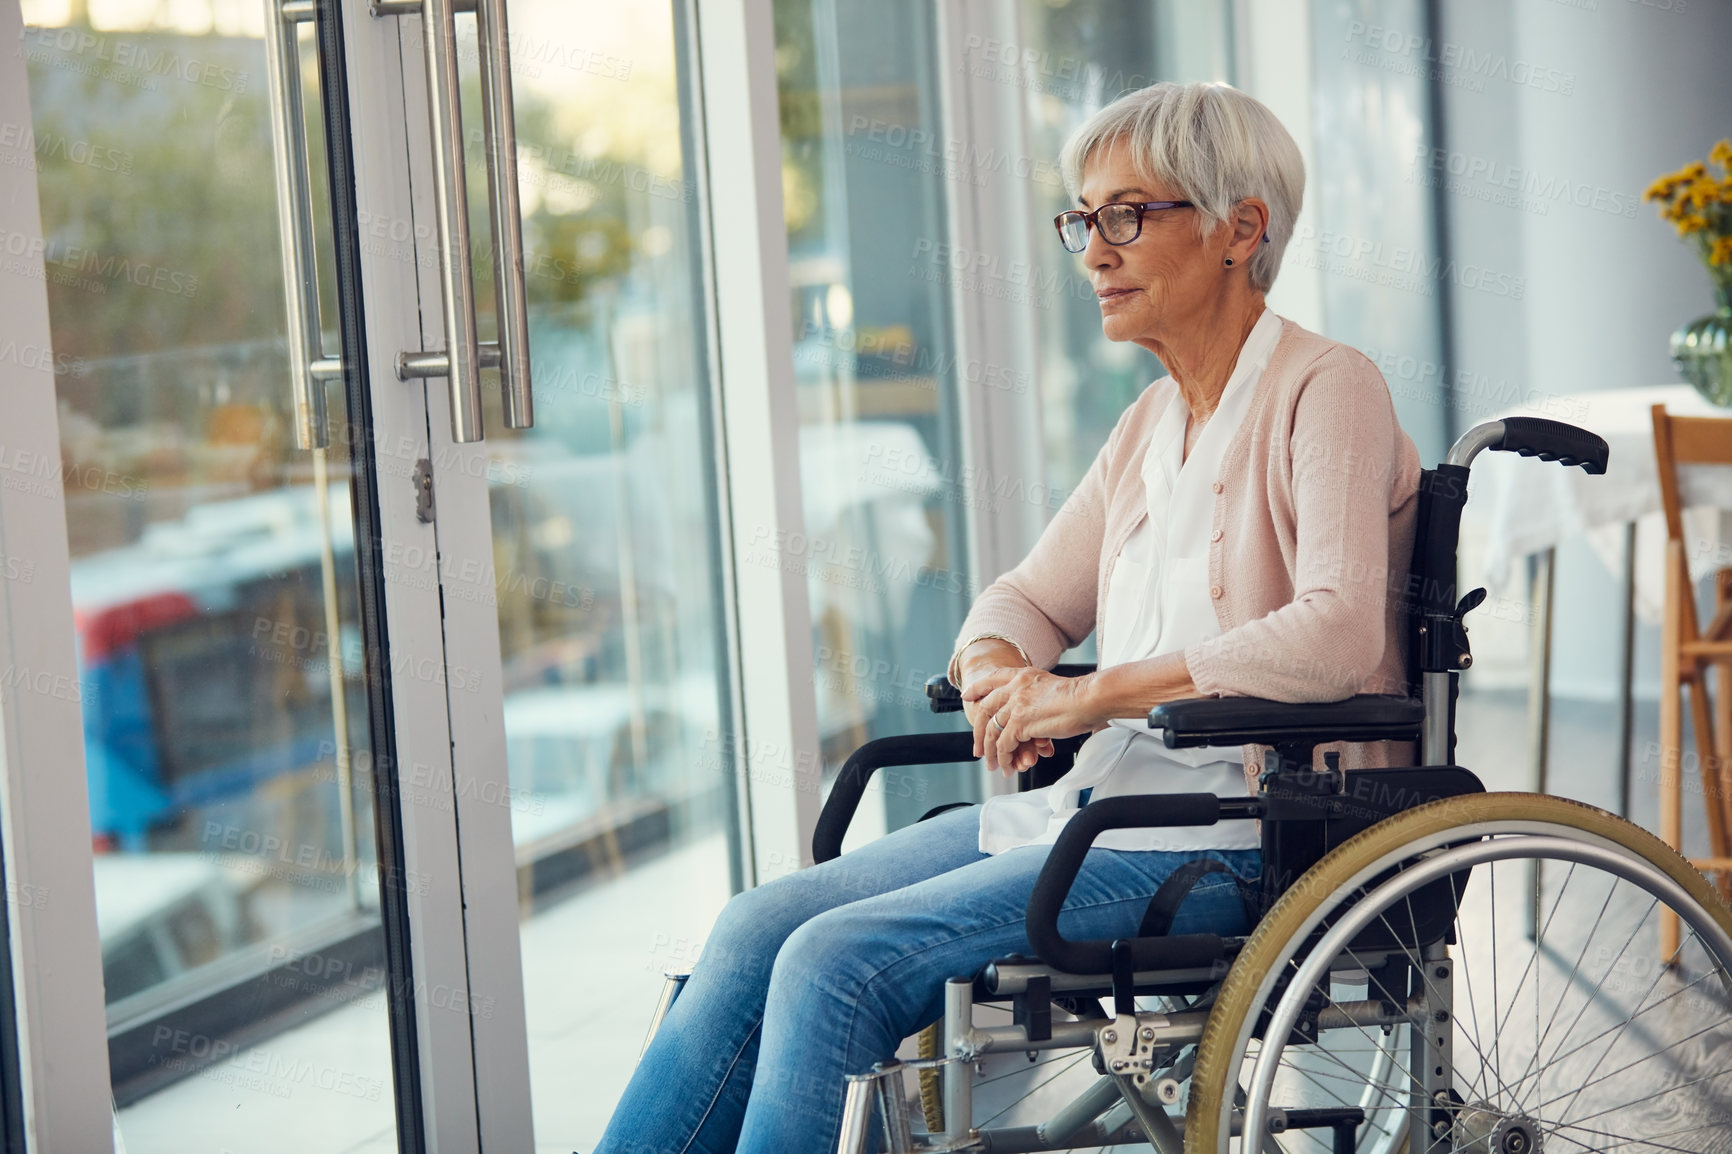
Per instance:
x=230, y=267
x=583, y=557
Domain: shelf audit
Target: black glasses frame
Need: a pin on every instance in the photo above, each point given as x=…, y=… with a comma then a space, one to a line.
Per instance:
x=1092, y=220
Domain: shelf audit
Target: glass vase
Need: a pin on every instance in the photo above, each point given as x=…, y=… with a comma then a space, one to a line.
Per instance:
x=1702, y=350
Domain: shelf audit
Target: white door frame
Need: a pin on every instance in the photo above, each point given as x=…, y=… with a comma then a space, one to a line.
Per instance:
x=779, y=748
x=463, y=721
x=456, y=1023
x=44, y=801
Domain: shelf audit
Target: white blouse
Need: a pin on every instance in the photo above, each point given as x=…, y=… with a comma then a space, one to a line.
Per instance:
x=1157, y=602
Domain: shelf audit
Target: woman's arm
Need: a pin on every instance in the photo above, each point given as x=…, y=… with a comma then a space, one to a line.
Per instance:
x=1135, y=687
x=1347, y=454
x=1038, y=610
x=999, y=659
x=1036, y=705
x=1047, y=603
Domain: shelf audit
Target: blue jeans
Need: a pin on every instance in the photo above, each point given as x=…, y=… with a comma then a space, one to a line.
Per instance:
x=823, y=972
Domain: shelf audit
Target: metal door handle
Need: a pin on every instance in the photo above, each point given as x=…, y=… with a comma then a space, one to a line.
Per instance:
x=309, y=368
x=463, y=358
x=499, y=131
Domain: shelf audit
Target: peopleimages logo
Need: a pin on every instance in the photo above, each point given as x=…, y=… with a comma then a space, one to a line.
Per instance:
x=102, y=267
x=27, y=145
x=1396, y=266
x=131, y=55
x=971, y=161
x=1460, y=61
x=1483, y=178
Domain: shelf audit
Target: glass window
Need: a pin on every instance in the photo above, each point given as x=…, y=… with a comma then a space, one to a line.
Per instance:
x=1374, y=240
x=865, y=186
x=1079, y=57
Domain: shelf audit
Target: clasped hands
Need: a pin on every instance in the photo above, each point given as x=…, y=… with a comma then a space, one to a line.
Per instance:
x=1017, y=712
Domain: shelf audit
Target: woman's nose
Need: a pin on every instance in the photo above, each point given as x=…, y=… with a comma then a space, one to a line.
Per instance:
x=1100, y=254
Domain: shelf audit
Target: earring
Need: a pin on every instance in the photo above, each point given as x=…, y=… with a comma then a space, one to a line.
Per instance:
x=1229, y=262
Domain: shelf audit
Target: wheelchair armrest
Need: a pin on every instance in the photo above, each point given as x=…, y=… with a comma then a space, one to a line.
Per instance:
x=1175, y=951
x=1199, y=721
x=947, y=698
x=850, y=787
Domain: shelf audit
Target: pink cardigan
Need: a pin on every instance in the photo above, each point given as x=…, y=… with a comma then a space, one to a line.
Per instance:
x=1313, y=532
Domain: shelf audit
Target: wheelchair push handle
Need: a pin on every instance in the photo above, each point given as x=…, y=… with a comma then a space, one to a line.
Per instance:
x=1176, y=951
x=945, y=697
x=1554, y=441
x=1534, y=437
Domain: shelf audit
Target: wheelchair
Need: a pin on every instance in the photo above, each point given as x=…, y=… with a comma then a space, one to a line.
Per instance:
x=1435, y=968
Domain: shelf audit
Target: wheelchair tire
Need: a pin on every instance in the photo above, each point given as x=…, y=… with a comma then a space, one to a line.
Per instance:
x=926, y=1045
x=1483, y=1105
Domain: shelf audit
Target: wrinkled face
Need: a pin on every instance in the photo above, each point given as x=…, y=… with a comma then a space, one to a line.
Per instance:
x=1150, y=286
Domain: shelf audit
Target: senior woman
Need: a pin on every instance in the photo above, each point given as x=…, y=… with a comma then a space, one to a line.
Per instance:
x=1233, y=537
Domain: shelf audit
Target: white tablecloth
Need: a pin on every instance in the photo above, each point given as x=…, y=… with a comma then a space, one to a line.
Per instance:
x=1529, y=505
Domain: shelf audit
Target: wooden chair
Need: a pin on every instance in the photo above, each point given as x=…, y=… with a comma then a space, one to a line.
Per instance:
x=1687, y=653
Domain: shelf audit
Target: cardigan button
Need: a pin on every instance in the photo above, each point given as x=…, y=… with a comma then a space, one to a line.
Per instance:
x=1218, y=486
x=1215, y=536
x=1215, y=592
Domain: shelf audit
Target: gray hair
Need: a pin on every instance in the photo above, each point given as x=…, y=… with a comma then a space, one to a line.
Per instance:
x=1211, y=143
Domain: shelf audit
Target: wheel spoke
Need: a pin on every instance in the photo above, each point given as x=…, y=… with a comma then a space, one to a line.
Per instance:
x=1466, y=970
x=1650, y=1140
x=1573, y=971
x=1539, y=937
x=1473, y=1080
x=1574, y=1094
x=1609, y=1056
x=1496, y=998
x=1019, y=1071
x=1646, y=1009
x=1660, y=1094
x=1067, y=1066
x=1622, y=1139
x=1635, y=928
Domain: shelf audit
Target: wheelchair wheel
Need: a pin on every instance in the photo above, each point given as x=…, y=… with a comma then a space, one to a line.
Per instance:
x=1576, y=1036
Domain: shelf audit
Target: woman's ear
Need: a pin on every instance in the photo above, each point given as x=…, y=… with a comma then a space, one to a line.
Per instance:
x=1250, y=224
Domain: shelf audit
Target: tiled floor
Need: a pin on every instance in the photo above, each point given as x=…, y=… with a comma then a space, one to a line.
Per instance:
x=593, y=969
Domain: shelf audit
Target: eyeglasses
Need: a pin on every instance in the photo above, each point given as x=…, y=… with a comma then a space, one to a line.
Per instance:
x=1119, y=223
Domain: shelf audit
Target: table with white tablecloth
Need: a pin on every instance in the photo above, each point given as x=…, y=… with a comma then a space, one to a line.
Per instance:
x=1529, y=506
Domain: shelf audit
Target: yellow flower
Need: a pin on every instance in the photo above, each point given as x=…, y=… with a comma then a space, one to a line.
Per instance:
x=1700, y=205
x=1667, y=186
x=1703, y=191
x=1661, y=189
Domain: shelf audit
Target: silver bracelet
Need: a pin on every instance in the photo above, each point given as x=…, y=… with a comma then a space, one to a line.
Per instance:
x=955, y=673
